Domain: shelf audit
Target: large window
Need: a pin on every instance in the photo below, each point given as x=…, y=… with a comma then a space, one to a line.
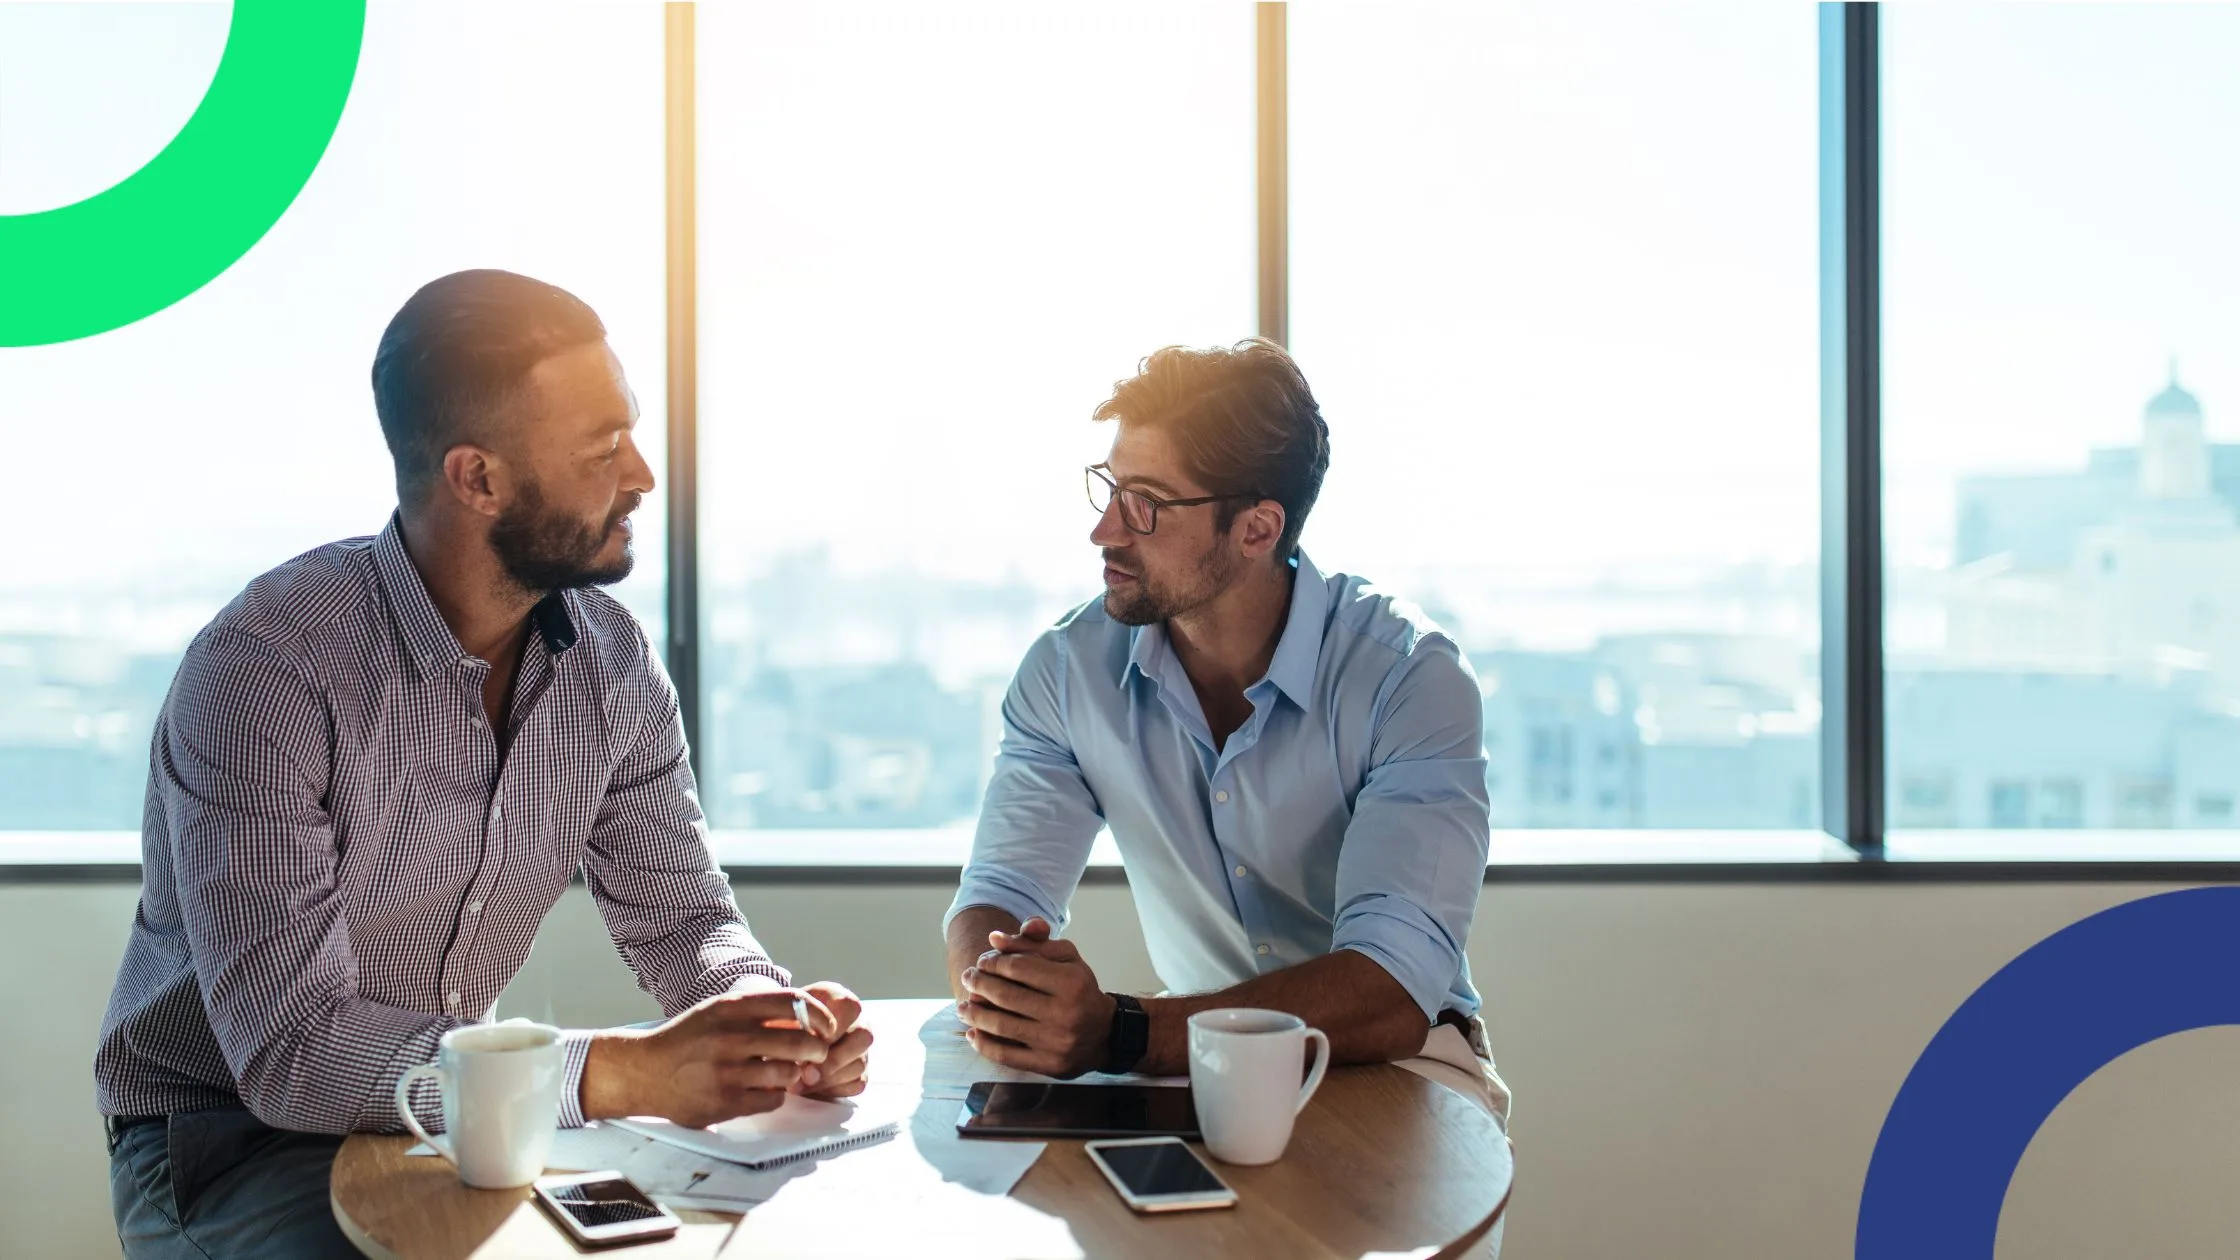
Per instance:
x=159, y=467
x=931, y=240
x=1555, y=270
x=2063, y=524
x=1554, y=279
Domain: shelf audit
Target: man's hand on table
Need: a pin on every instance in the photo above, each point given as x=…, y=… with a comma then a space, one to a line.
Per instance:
x=734, y=1055
x=1034, y=1004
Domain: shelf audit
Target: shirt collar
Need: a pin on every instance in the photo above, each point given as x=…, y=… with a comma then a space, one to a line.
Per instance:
x=427, y=636
x=555, y=622
x=1298, y=652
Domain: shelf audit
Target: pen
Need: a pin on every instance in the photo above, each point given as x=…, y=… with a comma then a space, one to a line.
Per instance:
x=801, y=1012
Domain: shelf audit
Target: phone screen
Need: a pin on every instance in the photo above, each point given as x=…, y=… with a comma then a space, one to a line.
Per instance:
x=1160, y=1168
x=610, y=1202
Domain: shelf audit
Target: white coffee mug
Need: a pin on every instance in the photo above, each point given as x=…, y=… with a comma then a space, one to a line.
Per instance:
x=1244, y=1074
x=501, y=1101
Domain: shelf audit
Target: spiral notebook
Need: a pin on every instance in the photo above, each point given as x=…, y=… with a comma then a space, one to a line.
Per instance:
x=803, y=1128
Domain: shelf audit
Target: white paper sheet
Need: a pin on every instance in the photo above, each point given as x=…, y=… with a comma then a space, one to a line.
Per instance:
x=593, y=1147
x=671, y=1173
x=677, y=1177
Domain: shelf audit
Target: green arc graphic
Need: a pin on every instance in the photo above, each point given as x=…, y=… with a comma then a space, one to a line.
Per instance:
x=175, y=224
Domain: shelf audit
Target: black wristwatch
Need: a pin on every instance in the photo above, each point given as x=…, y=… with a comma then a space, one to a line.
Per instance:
x=1131, y=1034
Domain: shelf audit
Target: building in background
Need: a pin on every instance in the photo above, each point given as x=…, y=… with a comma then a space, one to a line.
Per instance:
x=1650, y=731
x=2090, y=675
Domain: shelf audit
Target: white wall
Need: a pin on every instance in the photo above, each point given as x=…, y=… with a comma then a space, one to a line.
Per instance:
x=1700, y=1070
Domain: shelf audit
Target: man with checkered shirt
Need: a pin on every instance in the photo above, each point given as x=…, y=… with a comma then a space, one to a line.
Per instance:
x=377, y=770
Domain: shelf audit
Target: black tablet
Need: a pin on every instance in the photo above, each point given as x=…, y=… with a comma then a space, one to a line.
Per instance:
x=1011, y=1109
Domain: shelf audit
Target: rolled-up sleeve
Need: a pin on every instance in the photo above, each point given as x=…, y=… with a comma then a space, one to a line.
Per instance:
x=1414, y=856
x=254, y=851
x=666, y=903
x=1040, y=816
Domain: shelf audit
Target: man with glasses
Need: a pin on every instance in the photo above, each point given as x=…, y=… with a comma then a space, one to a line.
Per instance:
x=1291, y=764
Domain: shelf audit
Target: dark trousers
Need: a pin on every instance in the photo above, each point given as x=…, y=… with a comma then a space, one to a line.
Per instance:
x=204, y=1185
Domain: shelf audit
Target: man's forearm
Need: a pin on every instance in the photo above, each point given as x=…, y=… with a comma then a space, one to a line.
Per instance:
x=1367, y=1015
x=968, y=939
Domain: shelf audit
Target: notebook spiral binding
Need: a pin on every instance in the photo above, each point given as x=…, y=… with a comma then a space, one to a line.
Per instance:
x=865, y=1138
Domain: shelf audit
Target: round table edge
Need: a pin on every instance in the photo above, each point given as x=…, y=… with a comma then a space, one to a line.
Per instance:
x=351, y=1230
x=1454, y=1250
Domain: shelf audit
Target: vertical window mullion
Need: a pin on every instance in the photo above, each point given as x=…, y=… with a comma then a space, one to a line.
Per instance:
x=683, y=334
x=1852, y=735
x=1273, y=145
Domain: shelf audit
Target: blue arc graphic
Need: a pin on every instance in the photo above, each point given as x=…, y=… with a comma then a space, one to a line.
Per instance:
x=2070, y=1005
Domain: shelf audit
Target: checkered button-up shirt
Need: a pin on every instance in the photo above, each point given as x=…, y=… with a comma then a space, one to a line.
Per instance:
x=342, y=862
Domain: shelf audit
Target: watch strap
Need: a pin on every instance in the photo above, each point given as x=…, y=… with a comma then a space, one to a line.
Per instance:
x=1131, y=1034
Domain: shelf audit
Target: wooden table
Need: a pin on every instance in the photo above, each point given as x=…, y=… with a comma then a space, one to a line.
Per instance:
x=1382, y=1161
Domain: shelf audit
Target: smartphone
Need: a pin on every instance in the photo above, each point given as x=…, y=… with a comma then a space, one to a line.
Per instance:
x=602, y=1209
x=1159, y=1174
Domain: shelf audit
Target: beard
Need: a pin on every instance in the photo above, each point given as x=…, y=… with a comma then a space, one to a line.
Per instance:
x=1159, y=600
x=543, y=549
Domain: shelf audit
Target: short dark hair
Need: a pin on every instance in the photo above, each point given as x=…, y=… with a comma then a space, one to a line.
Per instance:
x=453, y=355
x=1244, y=420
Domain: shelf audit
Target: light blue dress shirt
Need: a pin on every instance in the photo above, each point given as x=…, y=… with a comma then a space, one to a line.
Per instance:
x=1348, y=812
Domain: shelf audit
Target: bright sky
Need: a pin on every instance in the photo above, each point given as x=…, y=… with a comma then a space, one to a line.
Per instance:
x=1553, y=268
x=2057, y=224
x=1552, y=275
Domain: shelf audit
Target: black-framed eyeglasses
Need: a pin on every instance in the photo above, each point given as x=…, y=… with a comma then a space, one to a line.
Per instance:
x=1140, y=511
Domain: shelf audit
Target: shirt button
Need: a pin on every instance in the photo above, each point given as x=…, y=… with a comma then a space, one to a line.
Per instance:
x=1240, y=875
x=1221, y=797
x=1261, y=950
x=475, y=721
x=451, y=999
x=475, y=907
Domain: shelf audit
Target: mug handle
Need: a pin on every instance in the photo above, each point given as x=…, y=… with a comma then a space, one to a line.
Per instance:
x=435, y=1072
x=1321, y=1065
